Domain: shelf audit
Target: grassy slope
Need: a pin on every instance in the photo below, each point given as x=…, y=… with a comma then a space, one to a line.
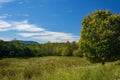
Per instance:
x=57, y=68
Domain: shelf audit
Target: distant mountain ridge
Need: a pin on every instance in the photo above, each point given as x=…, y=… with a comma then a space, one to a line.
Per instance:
x=28, y=42
x=22, y=41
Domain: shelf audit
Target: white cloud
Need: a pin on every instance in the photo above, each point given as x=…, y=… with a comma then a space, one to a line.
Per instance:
x=51, y=36
x=28, y=34
x=4, y=24
x=34, y=32
x=56, y=39
x=48, y=38
x=25, y=26
x=19, y=26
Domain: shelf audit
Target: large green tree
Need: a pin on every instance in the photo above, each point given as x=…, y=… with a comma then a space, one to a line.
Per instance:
x=100, y=36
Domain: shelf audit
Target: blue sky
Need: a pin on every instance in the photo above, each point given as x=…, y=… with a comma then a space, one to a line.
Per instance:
x=48, y=20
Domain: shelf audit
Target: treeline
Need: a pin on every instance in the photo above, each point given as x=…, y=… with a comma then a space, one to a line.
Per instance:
x=20, y=50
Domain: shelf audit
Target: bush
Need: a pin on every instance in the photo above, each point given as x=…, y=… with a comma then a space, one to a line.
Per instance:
x=77, y=53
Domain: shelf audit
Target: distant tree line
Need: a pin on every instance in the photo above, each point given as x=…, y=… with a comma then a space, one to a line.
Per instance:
x=20, y=50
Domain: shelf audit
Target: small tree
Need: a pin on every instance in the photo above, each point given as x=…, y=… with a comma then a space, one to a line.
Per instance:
x=100, y=36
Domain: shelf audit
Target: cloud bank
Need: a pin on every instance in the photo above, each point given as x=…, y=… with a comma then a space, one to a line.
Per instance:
x=32, y=31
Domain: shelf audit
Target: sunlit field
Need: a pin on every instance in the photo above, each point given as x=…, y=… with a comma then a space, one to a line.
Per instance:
x=57, y=68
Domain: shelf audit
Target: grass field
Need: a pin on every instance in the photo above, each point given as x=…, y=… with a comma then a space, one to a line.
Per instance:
x=57, y=68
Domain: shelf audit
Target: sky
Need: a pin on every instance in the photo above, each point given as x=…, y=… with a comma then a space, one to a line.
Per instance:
x=48, y=20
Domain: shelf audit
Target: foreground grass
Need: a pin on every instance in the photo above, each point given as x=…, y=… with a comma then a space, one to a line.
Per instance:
x=57, y=68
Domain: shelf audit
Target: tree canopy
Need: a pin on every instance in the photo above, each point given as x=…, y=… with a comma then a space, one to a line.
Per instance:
x=100, y=36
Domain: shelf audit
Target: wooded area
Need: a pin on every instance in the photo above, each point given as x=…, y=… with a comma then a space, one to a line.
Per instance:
x=21, y=50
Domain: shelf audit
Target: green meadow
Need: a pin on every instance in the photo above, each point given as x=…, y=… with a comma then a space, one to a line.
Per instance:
x=57, y=68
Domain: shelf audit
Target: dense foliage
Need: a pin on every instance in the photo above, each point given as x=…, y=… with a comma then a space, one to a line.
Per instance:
x=20, y=50
x=100, y=36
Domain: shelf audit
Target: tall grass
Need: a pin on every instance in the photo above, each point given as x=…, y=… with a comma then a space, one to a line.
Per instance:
x=57, y=68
